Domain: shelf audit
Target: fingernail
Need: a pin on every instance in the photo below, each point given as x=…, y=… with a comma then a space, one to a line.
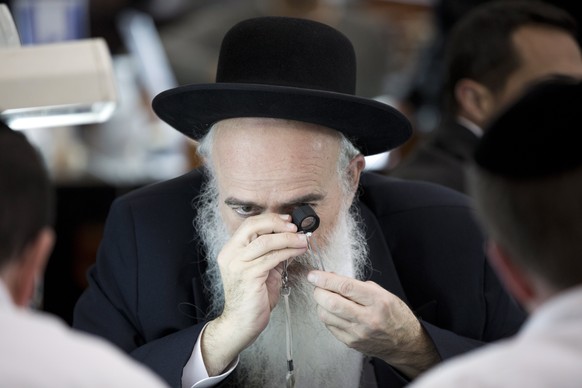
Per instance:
x=284, y=216
x=311, y=277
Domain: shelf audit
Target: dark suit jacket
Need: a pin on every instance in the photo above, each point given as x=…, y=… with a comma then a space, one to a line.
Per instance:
x=146, y=295
x=442, y=158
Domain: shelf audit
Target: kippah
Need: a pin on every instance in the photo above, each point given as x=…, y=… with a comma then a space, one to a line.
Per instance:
x=537, y=136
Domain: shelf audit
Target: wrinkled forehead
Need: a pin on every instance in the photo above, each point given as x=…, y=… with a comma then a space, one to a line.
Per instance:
x=275, y=151
x=274, y=140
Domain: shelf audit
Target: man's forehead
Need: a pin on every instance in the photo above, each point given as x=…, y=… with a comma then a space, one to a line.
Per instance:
x=544, y=52
x=274, y=161
x=276, y=189
x=248, y=142
x=547, y=49
x=247, y=124
x=284, y=178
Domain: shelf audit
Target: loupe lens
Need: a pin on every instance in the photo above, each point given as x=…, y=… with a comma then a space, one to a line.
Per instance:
x=305, y=219
x=308, y=223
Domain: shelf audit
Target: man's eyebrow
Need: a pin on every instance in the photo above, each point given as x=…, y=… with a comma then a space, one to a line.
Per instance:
x=313, y=197
x=232, y=201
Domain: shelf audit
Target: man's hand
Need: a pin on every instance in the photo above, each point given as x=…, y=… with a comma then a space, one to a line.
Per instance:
x=250, y=267
x=373, y=321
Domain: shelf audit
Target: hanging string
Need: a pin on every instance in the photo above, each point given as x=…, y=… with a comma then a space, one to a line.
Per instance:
x=285, y=291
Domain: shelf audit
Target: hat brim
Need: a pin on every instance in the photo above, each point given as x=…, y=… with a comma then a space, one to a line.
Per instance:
x=372, y=126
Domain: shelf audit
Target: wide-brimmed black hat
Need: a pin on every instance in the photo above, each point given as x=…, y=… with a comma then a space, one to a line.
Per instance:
x=285, y=68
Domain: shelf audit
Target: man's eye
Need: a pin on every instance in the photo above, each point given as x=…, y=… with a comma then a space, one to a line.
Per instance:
x=245, y=210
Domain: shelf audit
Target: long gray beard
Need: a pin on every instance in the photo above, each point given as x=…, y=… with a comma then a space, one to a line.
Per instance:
x=320, y=360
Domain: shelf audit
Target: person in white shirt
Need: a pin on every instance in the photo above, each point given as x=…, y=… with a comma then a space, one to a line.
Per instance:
x=527, y=184
x=39, y=350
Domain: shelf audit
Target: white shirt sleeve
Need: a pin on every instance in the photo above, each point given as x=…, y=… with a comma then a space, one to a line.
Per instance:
x=194, y=374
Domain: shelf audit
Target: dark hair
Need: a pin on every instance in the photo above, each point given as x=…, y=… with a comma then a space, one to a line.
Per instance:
x=536, y=220
x=480, y=46
x=25, y=194
x=526, y=179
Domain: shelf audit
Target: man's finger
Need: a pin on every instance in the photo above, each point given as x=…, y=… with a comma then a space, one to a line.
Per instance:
x=352, y=289
x=263, y=224
x=333, y=309
x=263, y=245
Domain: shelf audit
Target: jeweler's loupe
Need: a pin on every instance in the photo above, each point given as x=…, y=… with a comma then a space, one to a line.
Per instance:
x=305, y=218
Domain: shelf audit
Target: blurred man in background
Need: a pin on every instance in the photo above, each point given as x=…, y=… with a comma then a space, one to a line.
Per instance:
x=493, y=53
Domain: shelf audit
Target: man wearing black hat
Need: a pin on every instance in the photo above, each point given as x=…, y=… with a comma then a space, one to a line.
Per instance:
x=527, y=183
x=237, y=297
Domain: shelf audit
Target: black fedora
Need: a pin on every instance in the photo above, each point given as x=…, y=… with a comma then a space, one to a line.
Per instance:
x=285, y=68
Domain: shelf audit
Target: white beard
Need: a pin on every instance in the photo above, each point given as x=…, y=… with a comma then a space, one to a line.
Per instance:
x=320, y=360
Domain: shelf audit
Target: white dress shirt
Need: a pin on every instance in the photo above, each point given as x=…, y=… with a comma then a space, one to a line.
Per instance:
x=194, y=373
x=39, y=350
x=547, y=352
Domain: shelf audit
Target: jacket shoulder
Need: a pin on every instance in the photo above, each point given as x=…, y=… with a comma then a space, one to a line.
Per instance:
x=385, y=195
x=186, y=186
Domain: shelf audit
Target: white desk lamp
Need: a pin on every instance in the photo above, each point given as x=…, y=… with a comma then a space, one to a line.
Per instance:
x=58, y=84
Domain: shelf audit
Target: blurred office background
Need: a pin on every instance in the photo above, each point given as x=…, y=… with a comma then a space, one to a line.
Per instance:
x=158, y=44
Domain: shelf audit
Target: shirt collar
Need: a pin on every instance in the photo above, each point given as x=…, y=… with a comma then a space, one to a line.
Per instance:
x=6, y=301
x=562, y=308
x=471, y=126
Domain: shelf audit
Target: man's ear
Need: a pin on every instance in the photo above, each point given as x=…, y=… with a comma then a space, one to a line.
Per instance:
x=31, y=266
x=355, y=168
x=516, y=280
x=475, y=101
